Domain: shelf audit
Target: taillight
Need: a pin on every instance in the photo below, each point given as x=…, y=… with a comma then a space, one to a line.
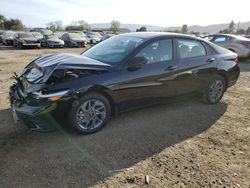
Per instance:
x=245, y=43
x=237, y=61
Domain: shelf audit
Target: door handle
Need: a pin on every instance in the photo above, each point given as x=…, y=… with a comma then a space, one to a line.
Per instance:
x=171, y=67
x=210, y=60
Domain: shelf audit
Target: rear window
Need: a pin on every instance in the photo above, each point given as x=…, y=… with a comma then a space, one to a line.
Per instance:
x=218, y=49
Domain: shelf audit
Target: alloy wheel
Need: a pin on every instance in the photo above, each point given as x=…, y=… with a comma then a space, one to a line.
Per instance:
x=91, y=114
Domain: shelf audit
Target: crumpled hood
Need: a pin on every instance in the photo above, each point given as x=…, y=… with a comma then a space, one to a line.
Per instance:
x=68, y=61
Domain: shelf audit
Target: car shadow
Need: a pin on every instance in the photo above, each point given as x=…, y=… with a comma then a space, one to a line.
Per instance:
x=67, y=159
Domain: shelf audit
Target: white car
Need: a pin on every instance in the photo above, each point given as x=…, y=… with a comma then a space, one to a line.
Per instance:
x=93, y=37
x=235, y=43
x=7, y=37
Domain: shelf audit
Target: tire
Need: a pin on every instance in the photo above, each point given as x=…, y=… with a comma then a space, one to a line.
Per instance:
x=95, y=116
x=214, y=90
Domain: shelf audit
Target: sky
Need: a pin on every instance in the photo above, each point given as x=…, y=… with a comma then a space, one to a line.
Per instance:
x=37, y=13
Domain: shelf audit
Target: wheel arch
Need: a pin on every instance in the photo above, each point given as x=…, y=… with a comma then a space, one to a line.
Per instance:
x=224, y=75
x=105, y=92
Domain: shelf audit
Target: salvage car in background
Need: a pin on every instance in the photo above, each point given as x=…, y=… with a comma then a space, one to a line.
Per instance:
x=25, y=40
x=59, y=33
x=123, y=72
x=93, y=37
x=73, y=40
x=235, y=43
x=46, y=32
x=7, y=37
x=1, y=34
x=51, y=41
x=37, y=35
x=83, y=36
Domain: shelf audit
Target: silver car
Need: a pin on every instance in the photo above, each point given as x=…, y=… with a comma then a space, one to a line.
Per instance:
x=37, y=35
x=52, y=41
x=235, y=43
x=7, y=37
x=93, y=37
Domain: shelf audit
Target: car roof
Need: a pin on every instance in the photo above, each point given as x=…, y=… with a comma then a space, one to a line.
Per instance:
x=149, y=35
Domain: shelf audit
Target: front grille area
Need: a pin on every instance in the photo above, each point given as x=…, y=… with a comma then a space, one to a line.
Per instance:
x=80, y=43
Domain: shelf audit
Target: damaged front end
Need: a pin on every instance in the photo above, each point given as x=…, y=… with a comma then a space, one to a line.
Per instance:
x=47, y=86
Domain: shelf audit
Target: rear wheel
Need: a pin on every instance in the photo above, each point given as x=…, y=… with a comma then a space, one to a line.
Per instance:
x=214, y=90
x=90, y=114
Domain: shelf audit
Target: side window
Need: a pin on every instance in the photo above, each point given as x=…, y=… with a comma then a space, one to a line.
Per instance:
x=190, y=48
x=221, y=39
x=158, y=51
x=209, y=37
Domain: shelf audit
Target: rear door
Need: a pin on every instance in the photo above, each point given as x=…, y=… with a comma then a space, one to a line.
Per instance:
x=196, y=65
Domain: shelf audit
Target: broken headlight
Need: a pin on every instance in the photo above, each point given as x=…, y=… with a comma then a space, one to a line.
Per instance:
x=34, y=74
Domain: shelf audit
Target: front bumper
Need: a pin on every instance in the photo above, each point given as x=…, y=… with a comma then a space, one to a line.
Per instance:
x=9, y=41
x=55, y=45
x=37, y=117
x=32, y=45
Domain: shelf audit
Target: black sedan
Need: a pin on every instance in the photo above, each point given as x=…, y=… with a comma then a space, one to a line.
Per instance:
x=120, y=73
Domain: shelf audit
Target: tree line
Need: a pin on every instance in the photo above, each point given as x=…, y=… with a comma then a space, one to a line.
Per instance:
x=81, y=25
x=11, y=24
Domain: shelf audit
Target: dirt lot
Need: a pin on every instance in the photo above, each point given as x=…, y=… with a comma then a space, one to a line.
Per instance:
x=182, y=143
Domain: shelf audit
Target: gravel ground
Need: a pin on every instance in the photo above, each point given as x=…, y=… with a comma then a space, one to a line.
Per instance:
x=182, y=143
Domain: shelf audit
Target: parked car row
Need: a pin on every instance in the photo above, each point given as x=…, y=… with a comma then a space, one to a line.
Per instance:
x=47, y=38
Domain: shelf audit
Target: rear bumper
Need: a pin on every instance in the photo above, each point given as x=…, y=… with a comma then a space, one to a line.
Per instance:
x=233, y=75
x=36, y=117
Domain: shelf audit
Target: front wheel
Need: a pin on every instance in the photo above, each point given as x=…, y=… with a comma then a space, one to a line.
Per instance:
x=90, y=113
x=214, y=90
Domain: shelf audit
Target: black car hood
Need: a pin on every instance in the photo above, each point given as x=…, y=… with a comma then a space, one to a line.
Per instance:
x=68, y=61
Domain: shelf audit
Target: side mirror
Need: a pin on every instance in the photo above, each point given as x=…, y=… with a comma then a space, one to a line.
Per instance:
x=137, y=63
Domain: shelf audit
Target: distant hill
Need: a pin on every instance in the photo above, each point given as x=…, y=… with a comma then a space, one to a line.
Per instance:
x=215, y=28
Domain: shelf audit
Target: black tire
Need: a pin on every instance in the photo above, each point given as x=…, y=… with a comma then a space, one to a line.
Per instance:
x=209, y=96
x=75, y=109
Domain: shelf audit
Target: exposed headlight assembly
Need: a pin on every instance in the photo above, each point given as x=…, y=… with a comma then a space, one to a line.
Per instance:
x=52, y=96
x=34, y=74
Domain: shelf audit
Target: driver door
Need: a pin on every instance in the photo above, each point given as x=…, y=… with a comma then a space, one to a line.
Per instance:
x=151, y=82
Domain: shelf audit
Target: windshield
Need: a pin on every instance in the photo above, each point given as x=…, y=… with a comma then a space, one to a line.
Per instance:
x=75, y=36
x=52, y=37
x=25, y=35
x=37, y=34
x=9, y=34
x=113, y=50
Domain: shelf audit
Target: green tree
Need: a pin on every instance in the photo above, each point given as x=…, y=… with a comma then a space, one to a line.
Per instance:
x=177, y=31
x=184, y=28
x=2, y=20
x=115, y=26
x=14, y=24
x=231, y=27
x=80, y=25
x=84, y=25
x=55, y=25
